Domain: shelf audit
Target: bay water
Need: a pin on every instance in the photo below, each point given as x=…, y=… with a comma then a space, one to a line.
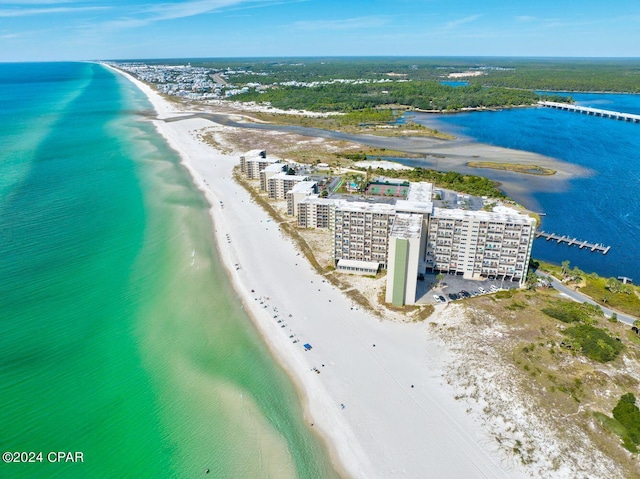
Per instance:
x=120, y=335
x=601, y=207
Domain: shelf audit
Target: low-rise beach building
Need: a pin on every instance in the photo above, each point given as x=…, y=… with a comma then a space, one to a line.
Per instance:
x=350, y=266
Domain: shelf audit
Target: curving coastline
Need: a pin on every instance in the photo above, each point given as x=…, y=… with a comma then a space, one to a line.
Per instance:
x=399, y=416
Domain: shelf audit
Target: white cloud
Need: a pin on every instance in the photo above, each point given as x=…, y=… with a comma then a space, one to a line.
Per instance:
x=344, y=24
x=462, y=21
x=150, y=13
x=34, y=2
x=28, y=12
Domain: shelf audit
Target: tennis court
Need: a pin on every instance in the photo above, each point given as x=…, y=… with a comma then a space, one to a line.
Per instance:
x=382, y=189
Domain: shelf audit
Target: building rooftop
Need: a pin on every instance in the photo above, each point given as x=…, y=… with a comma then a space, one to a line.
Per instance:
x=406, y=226
x=420, y=207
x=275, y=168
x=354, y=263
x=317, y=200
x=284, y=176
x=421, y=192
x=260, y=155
x=303, y=186
x=506, y=215
x=361, y=206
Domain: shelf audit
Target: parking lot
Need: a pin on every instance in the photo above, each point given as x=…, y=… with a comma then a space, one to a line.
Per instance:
x=452, y=287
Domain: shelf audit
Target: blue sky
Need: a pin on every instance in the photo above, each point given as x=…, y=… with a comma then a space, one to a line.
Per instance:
x=121, y=29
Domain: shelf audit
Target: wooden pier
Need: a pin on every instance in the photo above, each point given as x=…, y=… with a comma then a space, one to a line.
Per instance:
x=594, y=247
x=585, y=110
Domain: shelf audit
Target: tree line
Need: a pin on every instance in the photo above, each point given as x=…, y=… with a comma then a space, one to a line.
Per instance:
x=424, y=95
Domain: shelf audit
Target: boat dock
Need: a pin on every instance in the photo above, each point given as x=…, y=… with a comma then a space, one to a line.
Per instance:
x=585, y=110
x=594, y=247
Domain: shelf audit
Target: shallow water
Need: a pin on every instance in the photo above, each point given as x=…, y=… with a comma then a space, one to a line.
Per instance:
x=120, y=335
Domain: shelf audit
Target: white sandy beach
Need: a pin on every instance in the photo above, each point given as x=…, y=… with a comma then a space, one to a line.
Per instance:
x=400, y=418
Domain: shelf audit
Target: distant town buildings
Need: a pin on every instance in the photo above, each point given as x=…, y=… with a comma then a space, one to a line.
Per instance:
x=185, y=81
x=406, y=235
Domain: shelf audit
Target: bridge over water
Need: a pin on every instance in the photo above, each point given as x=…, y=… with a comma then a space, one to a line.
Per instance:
x=585, y=110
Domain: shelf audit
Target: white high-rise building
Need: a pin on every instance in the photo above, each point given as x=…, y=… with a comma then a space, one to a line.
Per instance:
x=361, y=231
x=316, y=212
x=300, y=190
x=480, y=244
x=278, y=185
x=254, y=161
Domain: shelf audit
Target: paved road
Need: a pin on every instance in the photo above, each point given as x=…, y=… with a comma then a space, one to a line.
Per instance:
x=576, y=296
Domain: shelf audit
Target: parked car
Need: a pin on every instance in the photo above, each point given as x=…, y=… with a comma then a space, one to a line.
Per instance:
x=443, y=299
x=481, y=290
x=493, y=288
x=437, y=298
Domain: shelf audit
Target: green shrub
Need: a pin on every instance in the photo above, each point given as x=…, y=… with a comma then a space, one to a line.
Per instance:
x=567, y=312
x=628, y=415
x=505, y=294
x=595, y=343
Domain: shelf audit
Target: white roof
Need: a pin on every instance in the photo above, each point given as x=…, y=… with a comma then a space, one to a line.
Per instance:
x=414, y=206
x=317, y=200
x=275, y=168
x=303, y=186
x=361, y=206
x=510, y=216
x=354, y=263
x=421, y=192
x=284, y=176
x=254, y=155
x=406, y=226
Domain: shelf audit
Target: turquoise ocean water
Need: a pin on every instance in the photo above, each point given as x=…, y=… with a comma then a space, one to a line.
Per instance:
x=120, y=336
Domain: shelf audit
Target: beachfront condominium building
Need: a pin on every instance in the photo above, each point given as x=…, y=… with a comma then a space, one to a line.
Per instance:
x=361, y=231
x=316, y=212
x=296, y=194
x=270, y=171
x=278, y=185
x=480, y=244
x=254, y=161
